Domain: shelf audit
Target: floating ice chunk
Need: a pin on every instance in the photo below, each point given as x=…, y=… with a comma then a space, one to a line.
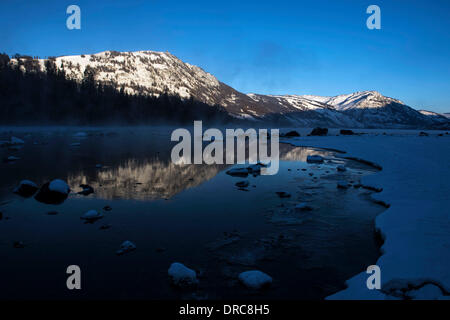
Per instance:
x=125, y=247
x=255, y=279
x=92, y=215
x=26, y=188
x=181, y=275
x=314, y=159
x=60, y=186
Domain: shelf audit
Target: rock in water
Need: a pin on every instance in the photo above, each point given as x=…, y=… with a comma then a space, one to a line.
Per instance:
x=255, y=279
x=54, y=192
x=242, y=184
x=341, y=169
x=87, y=190
x=182, y=276
x=238, y=172
x=314, y=159
x=125, y=247
x=345, y=132
x=26, y=188
x=91, y=216
x=303, y=207
x=283, y=194
x=319, y=132
x=255, y=169
x=342, y=185
x=291, y=134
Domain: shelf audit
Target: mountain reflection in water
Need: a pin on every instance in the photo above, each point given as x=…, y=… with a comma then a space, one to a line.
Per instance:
x=149, y=179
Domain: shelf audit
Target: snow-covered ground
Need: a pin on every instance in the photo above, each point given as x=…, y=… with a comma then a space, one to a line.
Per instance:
x=415, y=261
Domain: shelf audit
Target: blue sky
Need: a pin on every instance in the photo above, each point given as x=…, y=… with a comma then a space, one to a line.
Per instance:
x=271, y=47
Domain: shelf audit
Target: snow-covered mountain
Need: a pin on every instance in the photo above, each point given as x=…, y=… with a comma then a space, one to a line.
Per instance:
x=153, y=73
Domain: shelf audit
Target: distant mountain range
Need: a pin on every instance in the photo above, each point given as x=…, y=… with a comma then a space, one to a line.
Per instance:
x=153, y=73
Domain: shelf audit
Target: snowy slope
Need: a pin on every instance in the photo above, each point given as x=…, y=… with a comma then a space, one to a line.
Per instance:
x=153, y=73
x=416, y=183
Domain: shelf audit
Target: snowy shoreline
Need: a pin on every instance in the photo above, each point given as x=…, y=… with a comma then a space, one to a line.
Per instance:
x=415, y=260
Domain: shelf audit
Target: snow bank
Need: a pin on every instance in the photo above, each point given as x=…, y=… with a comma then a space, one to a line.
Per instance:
x=416, y=183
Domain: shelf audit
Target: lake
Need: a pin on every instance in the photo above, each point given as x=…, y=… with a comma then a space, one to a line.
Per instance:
x=192, y=214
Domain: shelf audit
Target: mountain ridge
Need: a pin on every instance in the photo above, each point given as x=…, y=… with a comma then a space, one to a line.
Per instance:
x=155, y=73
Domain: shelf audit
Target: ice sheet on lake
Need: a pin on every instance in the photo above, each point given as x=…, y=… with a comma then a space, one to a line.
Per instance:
x=416, y=183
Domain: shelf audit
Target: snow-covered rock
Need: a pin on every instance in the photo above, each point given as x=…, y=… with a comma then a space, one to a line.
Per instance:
x=255, y=279
x=180, y=275
x=26, y=188
x=60, y=186
x=125, y=247
x=54, y=192
x=91, y=215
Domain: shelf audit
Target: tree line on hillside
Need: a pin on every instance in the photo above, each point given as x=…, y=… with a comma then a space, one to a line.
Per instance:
x=31, y=96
